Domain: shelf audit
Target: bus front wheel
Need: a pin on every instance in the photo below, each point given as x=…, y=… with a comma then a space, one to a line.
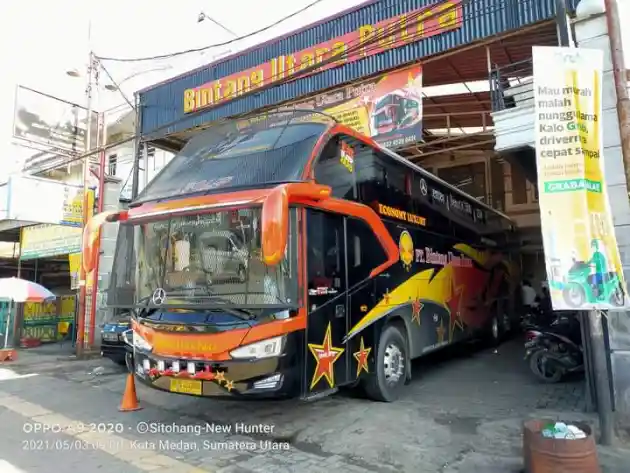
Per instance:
x=388, y=378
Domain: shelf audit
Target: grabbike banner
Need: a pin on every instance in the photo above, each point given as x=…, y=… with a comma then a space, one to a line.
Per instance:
x=582, y=258
x=388, y=107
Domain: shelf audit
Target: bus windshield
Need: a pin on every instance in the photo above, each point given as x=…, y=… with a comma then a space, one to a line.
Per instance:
x=253, y=151
x=201, y=261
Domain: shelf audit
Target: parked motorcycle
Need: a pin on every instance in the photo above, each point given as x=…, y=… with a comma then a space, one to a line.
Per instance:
x=553, y=352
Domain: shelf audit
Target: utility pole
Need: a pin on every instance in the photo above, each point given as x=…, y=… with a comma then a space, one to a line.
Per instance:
x=85, y=210
x=602, y=381
x=137, y=146
x=621, y=82
x=564, y=37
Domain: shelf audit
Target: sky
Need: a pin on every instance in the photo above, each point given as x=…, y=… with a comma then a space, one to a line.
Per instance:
x=42, y=39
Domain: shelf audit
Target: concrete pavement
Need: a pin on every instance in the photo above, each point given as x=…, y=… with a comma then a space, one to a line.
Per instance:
x=460, y=414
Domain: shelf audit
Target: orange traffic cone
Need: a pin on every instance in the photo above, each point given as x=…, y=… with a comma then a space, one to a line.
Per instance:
x=8, y=355
x=130, y=400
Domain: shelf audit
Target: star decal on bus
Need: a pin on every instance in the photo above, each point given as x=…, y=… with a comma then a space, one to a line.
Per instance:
x=455, y=301
x=325, y=355
x=386, y=297
x=416, y=309
x=362, y=358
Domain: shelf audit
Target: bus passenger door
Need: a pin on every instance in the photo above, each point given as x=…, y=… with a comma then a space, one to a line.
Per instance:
x=327, y=302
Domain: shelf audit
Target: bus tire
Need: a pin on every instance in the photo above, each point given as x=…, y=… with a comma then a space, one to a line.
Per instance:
x=390, y=373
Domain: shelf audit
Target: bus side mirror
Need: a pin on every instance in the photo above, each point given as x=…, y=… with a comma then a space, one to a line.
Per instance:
x=275, y=216
x=91, y=233
x=275, y=225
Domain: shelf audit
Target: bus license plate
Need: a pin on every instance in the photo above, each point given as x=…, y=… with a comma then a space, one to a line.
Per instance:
x=185, y=386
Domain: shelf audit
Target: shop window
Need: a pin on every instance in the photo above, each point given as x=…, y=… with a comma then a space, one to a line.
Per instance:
x=365, y=252
x=112, y=163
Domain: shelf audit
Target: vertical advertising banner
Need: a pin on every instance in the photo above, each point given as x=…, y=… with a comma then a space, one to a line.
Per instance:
x=581, y=254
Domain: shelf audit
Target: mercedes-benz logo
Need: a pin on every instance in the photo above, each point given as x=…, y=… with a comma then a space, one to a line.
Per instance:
x=423, y=187
x=159, y=296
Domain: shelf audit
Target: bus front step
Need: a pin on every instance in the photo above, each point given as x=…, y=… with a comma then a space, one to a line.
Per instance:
x=316, y=396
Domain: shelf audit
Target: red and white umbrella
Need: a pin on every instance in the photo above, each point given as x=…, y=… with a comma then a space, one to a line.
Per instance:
x=21, y=290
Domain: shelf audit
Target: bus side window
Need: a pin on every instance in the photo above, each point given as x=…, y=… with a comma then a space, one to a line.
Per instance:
x=335, y=169
x=365, y=252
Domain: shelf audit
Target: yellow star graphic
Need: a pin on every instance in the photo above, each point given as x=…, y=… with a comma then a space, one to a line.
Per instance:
x=410, y=80
x=229, y=385
x=220, y=376
x=362, y=358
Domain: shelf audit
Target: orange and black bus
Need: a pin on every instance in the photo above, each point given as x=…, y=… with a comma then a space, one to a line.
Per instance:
x=284, y=254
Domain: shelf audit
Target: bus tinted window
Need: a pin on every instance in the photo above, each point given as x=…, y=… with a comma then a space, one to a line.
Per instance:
x=326, y=258
x=364, y=251
x=226, y=156
x=335, y=168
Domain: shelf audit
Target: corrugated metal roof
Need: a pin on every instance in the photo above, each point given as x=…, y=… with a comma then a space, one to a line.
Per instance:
x=163, y=104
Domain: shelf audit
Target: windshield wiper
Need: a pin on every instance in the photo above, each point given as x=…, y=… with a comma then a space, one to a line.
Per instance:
x=236, y=311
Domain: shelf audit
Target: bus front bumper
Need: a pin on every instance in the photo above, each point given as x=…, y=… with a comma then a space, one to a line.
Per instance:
x=266, y=378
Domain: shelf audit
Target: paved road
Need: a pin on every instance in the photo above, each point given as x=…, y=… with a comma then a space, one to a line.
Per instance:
x=462, y=413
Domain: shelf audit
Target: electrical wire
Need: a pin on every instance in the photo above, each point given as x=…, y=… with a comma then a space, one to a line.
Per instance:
x=115, y=84
x=216, y=45
x=372, y=44
x=361, y=45
x=375, y=39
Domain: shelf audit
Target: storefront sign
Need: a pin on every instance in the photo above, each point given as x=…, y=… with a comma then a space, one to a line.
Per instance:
x=74, y=262
x=43, y=241
x=388, y=107
x=581, y=254
x=406, y=28
x=48, y=321
x=58, y=203
x=52, y=125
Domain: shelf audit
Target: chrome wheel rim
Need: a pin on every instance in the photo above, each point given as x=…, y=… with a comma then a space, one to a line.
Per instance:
x=393, y=364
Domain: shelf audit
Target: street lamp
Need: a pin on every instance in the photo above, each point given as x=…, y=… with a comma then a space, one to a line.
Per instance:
x=115, y=88
x=202, y=16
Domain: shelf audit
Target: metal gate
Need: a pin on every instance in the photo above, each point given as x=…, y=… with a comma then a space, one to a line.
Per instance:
x=5, y=311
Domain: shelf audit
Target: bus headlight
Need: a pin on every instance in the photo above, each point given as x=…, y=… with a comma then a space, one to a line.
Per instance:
x=140, y=343
x=263, y=349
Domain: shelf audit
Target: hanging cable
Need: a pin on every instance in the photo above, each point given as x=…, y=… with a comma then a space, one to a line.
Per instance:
x=216, y=45
x=367, y=46
x=115, y=84
x=372, y=42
